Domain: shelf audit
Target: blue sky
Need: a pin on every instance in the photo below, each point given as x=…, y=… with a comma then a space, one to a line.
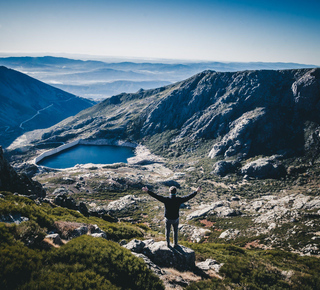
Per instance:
x=271, y=31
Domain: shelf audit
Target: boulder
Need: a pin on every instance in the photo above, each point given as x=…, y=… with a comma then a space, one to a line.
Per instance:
x=13, y=218
x=83, y=208
x=122, y=203
x=209, y=264
x=96, y=232
x=195, y=234
x=229, y=234
x=225, y=211
x=60, y=190
x=65, y=201
x=264, y=168
x=135, y=246
x=222, y=168
x=55, y=238
x=99, y=235
x=152, y=266
x=82, y=230
x=204, y=210
x=180, y=257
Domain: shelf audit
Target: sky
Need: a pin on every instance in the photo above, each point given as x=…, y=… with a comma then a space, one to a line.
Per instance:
x=208, y=30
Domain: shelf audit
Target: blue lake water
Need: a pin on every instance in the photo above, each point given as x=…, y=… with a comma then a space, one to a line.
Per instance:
x=82, y=154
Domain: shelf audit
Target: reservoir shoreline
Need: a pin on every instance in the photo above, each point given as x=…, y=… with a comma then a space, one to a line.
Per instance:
x=99, y=142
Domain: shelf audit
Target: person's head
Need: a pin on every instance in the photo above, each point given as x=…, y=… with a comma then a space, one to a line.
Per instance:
x=173, y=190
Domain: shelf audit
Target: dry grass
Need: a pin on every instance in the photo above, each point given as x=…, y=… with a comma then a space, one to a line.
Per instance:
x=64, y=228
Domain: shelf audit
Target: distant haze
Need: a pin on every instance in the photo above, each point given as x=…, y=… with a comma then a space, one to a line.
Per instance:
x=245, y=30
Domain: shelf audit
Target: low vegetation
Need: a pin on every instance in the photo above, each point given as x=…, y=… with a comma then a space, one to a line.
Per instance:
x=82, y=263
x=94, y=263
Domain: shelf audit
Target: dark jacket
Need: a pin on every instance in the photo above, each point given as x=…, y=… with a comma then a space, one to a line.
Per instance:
x=172, y=203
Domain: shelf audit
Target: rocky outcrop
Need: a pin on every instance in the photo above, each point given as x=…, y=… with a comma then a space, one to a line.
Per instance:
x=209, y=264
x=222, y=168
x=10, y=180
x=264, y=168
x=180, y=257
x=195, y=234
x=54, y=238
x=71, y=230
x=13, y=218
x=128, y=201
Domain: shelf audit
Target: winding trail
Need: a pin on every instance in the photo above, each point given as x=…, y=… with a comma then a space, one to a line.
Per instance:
x=38, y=113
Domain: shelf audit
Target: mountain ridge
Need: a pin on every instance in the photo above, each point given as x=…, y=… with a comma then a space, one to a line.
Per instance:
x=72, y=74
x=240, y=114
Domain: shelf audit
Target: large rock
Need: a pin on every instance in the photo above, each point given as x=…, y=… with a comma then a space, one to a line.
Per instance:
x=65, y=201
x=222, y=168
x=152, y=266
x=54, y=238
x=13, y=218
x=11, y=181
x=123, y=203
x=180, y=257
x=264, y=168
x=205, y=209
x=195, y=234
x=209, y=264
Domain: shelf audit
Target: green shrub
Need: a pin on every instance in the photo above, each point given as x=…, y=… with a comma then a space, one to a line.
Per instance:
x=30, y=233
x=27, y=208
x=109, y=260
x=208, y=285
x=6, y=234
x=17, y=263
x=61, y=276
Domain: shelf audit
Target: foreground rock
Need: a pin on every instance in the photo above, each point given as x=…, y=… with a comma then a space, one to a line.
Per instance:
x=180, y=257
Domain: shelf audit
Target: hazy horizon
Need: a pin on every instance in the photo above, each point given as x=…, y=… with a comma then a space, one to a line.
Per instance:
x=204, y=30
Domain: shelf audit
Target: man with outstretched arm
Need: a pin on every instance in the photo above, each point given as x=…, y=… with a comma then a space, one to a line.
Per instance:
x=172, y=205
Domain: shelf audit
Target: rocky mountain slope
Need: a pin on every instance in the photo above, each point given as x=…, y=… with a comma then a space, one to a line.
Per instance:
x=11, y=181
x=238, y=115
x=28, y=104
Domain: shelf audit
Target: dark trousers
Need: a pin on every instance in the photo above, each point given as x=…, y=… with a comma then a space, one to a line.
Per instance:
x=175, y=224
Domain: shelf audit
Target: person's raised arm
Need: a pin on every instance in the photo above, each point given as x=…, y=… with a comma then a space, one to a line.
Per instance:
x=193, y=194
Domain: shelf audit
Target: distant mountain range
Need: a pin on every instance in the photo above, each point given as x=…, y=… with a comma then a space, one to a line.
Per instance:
x=28, y=104
x=98, y=79
x=240, y=114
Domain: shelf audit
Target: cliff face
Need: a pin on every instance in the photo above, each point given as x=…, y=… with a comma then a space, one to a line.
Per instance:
x=243, y=113
x=11, y=181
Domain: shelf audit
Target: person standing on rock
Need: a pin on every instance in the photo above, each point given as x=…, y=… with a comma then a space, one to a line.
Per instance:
x=172, y=205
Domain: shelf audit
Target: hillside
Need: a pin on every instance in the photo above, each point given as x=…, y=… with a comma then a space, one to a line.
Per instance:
x=237, y=115
x=28, y=104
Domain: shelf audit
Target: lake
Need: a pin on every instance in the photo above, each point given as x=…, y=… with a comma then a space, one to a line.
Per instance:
x=82, y=154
